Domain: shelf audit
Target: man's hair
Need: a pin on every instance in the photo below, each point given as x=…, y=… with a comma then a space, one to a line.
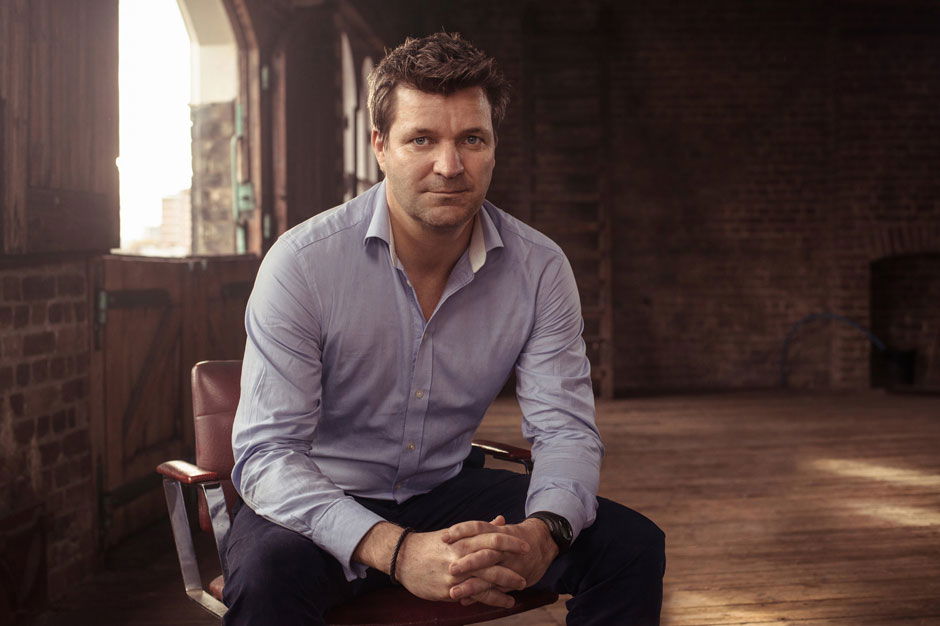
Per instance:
x=442, y=63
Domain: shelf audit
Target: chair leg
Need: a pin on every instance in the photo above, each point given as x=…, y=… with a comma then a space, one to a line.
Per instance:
x=185, y=551
x=218, y=513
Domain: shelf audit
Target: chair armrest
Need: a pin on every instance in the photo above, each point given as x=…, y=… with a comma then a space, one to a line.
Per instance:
x=504, y=451
x=187, y=473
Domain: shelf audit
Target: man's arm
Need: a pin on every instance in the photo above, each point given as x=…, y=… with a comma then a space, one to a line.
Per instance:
x=557, y=400
x=555, y=394
x=279, y=410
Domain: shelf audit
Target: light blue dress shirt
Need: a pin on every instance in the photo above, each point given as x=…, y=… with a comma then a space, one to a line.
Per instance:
x=348, y=391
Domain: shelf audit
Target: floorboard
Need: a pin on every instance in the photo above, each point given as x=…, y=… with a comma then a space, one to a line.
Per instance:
x=810, y=509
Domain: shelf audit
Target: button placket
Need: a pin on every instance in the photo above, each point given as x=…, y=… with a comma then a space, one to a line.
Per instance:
x=416, y=411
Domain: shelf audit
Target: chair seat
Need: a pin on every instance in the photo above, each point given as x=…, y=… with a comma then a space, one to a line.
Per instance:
x=380, y=608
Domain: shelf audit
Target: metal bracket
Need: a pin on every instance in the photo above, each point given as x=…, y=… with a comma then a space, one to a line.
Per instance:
x=185, y=550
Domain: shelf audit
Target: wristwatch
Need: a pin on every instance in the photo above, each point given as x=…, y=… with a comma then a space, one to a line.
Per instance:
x=558, y=527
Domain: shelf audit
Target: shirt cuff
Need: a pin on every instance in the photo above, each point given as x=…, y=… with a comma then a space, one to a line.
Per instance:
x=561, y=502
x=340, y=530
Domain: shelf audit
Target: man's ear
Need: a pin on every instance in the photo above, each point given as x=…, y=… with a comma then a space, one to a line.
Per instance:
x=378, y=148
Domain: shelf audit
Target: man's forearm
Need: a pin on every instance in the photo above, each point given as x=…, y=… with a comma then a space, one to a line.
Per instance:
x=376, y=547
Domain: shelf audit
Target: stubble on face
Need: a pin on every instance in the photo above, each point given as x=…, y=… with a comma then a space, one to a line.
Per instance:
x=438, y=157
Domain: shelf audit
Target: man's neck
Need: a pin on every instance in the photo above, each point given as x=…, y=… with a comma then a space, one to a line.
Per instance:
x=425, y=252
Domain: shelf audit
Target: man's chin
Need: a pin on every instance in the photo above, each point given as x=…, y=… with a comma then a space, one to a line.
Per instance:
x=447, y=217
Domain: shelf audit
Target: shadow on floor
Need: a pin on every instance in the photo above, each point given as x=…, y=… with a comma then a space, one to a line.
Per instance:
x=140, y=583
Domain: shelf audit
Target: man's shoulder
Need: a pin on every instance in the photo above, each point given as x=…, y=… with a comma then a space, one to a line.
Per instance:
x=347, y=220
x=519, y=236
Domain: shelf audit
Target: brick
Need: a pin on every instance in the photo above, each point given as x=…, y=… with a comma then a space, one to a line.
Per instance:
x=59, y=421
x=12, y=289
x=71, y=285
x=63, y=475
x=81, y=311
x=6, y=316
x=56, y=311
x=42, y=426
x=81, y=363
x=38, y=288
x=23, y=431
x=71, y=414
x=71, y=339
x=37, y=314
x=73, y=390
x=22, y=374
x=40, y=371
x=57, y=367
x=6, y=378
x=17, y=404
x=82, y=465
x=20, y=316
x=48, y=454
x=75, y=443
x=38, y=343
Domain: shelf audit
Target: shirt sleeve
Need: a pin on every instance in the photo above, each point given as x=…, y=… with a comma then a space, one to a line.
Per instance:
x=278, y=412
x=553, y=386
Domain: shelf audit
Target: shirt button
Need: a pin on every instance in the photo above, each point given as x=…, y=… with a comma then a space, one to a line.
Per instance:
x=411, y=445
x=419, y=394
x=398, y=485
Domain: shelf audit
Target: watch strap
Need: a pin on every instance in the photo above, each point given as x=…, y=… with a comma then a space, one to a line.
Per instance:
x=558, y=527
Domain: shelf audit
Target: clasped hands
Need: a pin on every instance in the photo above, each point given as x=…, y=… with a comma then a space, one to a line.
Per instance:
x=476, y=561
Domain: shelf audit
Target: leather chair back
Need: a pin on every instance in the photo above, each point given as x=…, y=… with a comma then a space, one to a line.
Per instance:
x=216, y=389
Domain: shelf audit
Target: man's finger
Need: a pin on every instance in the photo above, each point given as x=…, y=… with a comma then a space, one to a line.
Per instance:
x=475, y=589
x=474, y=561
x=493, y=576
x=491, y=597
x=503, y=542
x=463, y=530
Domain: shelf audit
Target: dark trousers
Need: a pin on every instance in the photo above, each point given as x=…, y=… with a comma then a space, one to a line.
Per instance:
x=614, y=569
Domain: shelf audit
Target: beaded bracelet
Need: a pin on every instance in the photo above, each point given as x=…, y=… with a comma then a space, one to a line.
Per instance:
x=398, y=545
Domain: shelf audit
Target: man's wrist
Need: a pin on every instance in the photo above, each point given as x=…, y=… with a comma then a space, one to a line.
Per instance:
x=559, y=529
x=540, y=537
x=377, y=545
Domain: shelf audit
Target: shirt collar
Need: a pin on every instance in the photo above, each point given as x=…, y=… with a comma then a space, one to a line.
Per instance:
x=484, y=237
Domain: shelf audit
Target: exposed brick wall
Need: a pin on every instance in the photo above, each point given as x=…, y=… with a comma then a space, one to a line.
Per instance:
x=45, y=451
x=764, y=153
x=886, y=154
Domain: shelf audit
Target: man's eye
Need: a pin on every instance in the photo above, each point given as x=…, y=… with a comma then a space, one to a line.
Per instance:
x=474, y=140
x=420, y=141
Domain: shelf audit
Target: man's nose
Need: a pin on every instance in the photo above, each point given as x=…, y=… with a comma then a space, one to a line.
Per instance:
x=448, y=162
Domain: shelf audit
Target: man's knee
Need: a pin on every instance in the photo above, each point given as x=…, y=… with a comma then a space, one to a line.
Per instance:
x=272, y=563
x=630, y=538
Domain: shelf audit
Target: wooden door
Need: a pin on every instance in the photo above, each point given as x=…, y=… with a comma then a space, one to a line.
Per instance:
x=155, y=318
x=216, y=292
x=138, y=331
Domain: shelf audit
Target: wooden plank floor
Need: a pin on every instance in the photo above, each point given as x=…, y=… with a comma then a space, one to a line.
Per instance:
x=810, y=509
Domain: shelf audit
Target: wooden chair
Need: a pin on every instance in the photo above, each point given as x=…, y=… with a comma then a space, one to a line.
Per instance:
x=215, y=397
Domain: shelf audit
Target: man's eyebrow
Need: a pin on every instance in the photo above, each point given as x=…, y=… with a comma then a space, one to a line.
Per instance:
x=478, y=130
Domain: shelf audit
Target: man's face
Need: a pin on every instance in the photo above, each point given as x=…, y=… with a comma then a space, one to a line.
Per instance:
x=438, y=156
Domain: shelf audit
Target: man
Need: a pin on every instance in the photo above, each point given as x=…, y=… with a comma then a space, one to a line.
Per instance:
x=378, y=334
